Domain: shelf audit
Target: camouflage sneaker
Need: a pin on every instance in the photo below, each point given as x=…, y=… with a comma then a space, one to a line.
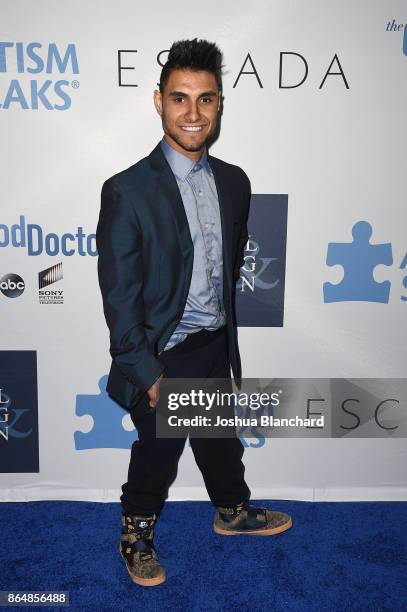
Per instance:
x=243, y=519
x=137, y=550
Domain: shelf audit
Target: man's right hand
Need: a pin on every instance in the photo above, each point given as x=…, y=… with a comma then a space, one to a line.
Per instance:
x=154, y=393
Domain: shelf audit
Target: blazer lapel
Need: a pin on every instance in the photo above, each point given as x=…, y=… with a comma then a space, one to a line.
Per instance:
x=169, y=190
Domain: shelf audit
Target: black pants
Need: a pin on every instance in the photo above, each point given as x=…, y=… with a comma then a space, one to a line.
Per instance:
x=154, y=461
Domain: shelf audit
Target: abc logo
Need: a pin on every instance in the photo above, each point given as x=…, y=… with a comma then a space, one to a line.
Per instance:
x=12, y=285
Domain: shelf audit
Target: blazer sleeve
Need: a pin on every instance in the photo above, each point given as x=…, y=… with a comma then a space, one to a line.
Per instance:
x=120, y=272
x=243, y=237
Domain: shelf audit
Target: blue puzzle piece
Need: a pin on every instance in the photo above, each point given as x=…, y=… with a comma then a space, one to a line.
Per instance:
x=108, y=430
x=358, y=259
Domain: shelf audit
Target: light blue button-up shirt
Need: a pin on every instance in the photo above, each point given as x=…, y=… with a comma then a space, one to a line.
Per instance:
x=204, y=306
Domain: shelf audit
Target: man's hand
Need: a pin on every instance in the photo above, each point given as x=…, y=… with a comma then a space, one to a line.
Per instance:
x=154, y=393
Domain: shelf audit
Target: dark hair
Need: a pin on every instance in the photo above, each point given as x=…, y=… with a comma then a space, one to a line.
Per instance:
x=193, y=55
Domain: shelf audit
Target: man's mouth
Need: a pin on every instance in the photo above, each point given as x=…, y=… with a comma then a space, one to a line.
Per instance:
x=192, y=128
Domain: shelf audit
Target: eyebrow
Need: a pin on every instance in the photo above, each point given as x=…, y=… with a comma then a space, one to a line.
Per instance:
x=208, y=94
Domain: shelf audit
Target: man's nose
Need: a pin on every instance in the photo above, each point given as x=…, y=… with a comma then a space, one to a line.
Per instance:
x=193, y=112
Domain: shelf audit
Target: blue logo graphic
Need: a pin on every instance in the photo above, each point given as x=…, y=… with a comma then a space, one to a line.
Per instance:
x=405, y=40
x=32, y=237
x=34, y=58
x=108, y=430
x=358, y=259
x=260, y=290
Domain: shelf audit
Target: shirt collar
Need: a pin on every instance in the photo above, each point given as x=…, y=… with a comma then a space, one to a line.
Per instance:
x=181, y=165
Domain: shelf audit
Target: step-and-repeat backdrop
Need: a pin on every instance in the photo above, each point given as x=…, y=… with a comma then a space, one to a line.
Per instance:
x=314, y=112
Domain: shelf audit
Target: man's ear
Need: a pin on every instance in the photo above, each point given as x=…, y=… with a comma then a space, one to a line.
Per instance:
x=158, y=101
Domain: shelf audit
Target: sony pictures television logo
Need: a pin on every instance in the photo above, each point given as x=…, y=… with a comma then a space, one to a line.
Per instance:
x=12, y=285
x=260, y=289
x=49, y=277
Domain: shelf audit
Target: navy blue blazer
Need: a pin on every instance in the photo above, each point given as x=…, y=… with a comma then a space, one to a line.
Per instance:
x=145, y=265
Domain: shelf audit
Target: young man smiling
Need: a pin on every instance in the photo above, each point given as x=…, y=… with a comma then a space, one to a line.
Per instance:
x=170, y=237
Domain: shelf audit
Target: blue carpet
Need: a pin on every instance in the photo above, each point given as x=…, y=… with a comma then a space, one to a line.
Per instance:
x=337, y=556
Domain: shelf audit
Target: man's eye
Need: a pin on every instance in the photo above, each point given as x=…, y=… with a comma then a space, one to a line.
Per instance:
x=206, y=100
x=178, y=99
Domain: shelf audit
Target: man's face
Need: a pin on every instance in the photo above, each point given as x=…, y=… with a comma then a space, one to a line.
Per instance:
x=189, y=109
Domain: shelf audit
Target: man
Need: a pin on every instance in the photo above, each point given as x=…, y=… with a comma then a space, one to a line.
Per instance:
x=170, y=237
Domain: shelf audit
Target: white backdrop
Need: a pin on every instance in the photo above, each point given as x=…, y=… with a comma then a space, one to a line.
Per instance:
x=337, y=152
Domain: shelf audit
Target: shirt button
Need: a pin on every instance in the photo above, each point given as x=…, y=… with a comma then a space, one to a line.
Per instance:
x=200, y=193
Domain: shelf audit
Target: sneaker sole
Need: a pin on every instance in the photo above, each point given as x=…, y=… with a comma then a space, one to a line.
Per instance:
x=144, y=581
x=259, y=532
